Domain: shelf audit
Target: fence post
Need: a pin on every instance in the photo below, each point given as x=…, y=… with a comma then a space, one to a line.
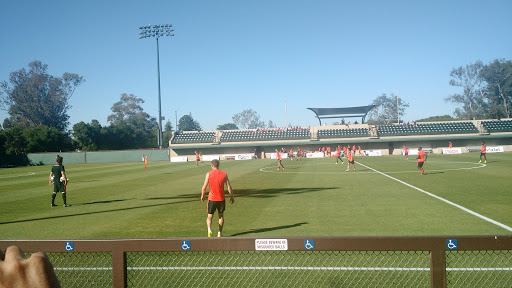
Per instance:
x=437, y=268
x=119, y=268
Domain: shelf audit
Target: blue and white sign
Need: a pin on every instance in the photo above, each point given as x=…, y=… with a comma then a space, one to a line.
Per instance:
x=309, y=244
x=451, y=244
x=185, y=245
x=70, y=246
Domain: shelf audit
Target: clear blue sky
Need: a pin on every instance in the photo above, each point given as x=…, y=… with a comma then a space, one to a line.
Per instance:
x=227, y=56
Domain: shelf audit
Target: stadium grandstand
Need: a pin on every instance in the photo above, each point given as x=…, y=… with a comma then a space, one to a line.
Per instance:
x=387, y=138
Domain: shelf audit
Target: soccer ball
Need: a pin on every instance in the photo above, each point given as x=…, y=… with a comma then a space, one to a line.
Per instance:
x=62, y=179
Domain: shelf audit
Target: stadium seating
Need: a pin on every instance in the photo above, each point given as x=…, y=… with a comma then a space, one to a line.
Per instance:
x=193, y=137
x=498, y=125
x=266, y=135
x=427, y=129
x=343, y=133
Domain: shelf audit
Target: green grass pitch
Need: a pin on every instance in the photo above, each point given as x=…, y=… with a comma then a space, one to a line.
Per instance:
x=386, y=196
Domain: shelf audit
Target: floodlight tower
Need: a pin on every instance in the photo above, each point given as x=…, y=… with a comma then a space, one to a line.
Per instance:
x=157, y=31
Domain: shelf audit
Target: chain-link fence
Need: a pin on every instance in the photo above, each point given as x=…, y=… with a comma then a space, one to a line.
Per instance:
x=82, y=269
x=279, y=269
x=491, y=268
x=463, y=261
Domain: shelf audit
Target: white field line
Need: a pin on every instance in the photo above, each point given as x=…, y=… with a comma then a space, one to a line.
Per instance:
x=272, y=169
x=285, y=268
x=17, y=175
x=444, y=200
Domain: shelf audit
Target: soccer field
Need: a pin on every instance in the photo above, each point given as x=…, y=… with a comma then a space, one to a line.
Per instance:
x=386, y=196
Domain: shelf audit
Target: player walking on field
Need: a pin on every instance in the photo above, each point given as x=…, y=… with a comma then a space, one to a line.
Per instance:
x=279, y=164
x=216, y=179
x=350, y=156
x=59, y=179
x=338, y=154
x=483, y=152
x=406, y=153
x=422, y=157
x=197, y=158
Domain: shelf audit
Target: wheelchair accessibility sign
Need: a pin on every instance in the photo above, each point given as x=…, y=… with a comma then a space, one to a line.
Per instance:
x=451, y=244
x=70, y=246
x=309, y=244
x=185, y=245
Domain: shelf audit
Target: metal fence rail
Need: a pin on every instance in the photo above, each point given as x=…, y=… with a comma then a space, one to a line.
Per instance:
x=456, y=261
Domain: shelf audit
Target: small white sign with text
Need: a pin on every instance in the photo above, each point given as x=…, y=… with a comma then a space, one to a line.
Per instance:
x=271, y=244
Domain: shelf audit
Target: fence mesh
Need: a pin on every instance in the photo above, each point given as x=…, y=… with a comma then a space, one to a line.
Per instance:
x=491, y=268
x=83, y=269
x=279, y=269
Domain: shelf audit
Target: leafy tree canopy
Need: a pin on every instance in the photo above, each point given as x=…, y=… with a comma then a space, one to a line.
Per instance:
x=248, y=119
x=187, y=123
x=437, y=118
x=227, y=126
x=34, y=97
x=387, y=111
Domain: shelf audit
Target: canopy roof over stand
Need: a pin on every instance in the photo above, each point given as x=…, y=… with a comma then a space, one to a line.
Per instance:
x=326, y=113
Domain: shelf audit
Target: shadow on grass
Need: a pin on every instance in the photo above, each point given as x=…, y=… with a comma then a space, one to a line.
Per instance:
x=435, y=172
x=257, y=193
x=262, y=230
x=103, y=202
x=92, y=213
x=185, y=198
x=275, y=192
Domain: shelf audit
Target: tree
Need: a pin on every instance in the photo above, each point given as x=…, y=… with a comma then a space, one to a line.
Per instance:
x=132, y=127
x=167, y=133
x=271, y=124
x=14, y=141
x=498, y=76
x=248, y=119
x=437, y=118
x=473, y=93
x=387, y=111
x=41, y=138
x=227, y=126
x=87, y=136
x=187, y=123
x=36, y=98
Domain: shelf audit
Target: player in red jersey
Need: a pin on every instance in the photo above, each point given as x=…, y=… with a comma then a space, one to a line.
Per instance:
x=406, y=152
x=338, y=154
x=216, y=179
x=359, y=150
x=197, y=158
x=279, y=164
x=422, y=157
x=350, y=160
x=483, y=152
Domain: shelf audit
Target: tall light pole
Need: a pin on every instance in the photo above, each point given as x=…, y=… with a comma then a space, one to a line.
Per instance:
x=157, y=31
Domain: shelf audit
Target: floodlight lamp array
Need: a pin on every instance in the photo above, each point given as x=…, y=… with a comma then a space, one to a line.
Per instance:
x=155, y=31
